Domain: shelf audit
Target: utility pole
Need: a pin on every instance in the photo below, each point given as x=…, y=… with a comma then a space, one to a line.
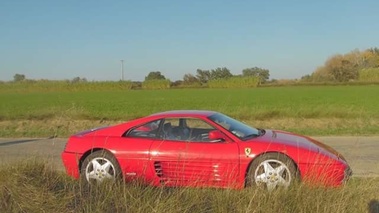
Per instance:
x=122, y=70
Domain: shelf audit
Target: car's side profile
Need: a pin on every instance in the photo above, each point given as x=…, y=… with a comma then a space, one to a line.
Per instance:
x=201, y=148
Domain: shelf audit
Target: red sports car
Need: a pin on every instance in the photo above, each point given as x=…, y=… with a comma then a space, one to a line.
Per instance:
x=201, y=148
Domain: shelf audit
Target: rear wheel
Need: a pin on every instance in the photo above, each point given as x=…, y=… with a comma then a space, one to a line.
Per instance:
x=272, y=171
x=100, y=166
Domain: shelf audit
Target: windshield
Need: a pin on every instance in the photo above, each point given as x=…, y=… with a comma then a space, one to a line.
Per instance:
x=237, y=128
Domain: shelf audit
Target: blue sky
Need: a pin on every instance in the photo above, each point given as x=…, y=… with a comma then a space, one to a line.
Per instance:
x=65, y=39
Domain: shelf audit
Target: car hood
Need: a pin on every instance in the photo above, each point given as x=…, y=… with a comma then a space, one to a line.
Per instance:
x=299, y=141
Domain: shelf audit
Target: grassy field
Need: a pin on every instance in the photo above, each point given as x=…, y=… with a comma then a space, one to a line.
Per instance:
x=312, y=110
x=33, y=186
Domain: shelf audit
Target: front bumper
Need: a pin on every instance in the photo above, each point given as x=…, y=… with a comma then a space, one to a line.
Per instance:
x=347, y=174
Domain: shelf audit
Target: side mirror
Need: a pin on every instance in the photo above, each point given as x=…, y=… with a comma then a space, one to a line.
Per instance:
x=216, y=135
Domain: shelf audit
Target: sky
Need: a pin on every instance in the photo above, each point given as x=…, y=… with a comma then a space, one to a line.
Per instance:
x=46, y=39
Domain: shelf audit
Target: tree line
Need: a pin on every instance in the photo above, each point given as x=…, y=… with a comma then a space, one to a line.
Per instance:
x=355, y=66
x=22, y=78
x=220, y=77
x=203, y=77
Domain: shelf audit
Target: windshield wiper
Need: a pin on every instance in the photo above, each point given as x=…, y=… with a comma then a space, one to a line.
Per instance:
x=260, y=133
x=250, y=136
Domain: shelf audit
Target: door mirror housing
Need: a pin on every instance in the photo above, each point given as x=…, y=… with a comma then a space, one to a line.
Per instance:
x=216, y=136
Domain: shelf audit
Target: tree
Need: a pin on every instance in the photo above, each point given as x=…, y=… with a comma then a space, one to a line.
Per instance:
x=18, y=77
x=75, y=80
x=321, y=74
x=341, y=68
x=371, y=58
x=306, y=77
x=155, y=76
x=78, y=79
x=374, y=50
x=190, y=79
x=346, y=67
x=220, y=73
x=177, y=83
x=203, y=75
x=262, y=74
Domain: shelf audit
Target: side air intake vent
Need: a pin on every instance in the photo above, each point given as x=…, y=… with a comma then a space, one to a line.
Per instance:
x=158, y=169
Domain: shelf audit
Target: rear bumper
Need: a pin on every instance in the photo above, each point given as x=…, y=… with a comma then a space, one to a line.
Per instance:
x=71, y=163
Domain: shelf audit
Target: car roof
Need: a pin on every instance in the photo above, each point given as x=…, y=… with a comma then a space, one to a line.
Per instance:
x=195, y=113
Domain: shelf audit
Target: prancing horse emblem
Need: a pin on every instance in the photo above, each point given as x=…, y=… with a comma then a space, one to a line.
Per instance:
x=247, y=151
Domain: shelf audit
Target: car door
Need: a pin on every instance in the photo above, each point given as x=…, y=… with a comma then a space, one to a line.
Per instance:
x=186, y=157
x=132, y=151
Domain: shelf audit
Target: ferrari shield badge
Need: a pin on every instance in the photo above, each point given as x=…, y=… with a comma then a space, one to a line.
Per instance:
x=247, y=151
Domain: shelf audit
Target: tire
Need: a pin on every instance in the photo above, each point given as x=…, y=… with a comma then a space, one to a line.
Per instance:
x=100, y=166
x=271, y=171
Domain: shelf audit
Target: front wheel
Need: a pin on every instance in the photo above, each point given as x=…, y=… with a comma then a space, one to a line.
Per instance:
x=100, y=166
x=272, y=171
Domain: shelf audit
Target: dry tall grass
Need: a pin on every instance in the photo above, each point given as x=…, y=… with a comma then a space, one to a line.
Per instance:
x=33, y=186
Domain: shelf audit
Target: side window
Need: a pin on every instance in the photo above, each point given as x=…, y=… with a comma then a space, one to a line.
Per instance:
x=170, y=129
x=186, y=129
x=199, y=130
x=148, y=130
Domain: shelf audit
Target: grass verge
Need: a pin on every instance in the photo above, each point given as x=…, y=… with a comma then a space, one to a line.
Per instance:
x=34, y=186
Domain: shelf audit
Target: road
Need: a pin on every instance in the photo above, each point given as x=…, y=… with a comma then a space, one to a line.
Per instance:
x=362, y=153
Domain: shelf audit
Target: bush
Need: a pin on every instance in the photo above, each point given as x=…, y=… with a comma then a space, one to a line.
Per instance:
x=190, y=85
x=156, y=84
x=369, y=75
x=234, y=82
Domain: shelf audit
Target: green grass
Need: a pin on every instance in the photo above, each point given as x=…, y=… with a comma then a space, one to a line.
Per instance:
x=33, y=186
x=315, y=110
